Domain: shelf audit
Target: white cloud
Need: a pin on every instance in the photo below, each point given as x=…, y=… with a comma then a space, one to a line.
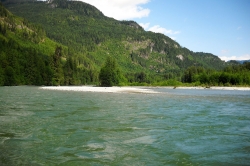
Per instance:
x=159, y=29
x=121, y=9
x=172, y=37
x=144, y=26
x=243, y=57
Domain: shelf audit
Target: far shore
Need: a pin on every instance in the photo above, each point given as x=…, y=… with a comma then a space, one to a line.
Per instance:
x=114, y=89
x=133, y=89
x=217, y=88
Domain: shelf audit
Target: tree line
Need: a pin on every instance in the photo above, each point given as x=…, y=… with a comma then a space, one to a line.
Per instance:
x=238, y=74
x=27, y=66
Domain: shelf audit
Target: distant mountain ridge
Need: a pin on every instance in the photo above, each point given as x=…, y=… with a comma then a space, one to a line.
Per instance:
x=243, y=61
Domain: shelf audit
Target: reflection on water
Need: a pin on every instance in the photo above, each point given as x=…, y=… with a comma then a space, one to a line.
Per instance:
x=176, y=127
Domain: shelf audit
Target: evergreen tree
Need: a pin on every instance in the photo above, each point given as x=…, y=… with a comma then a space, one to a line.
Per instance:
x=1, y=76
x=9, y=77
x=110, y=74
x=58, y=78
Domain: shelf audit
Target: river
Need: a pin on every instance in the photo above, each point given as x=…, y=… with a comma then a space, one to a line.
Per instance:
x=174, y=127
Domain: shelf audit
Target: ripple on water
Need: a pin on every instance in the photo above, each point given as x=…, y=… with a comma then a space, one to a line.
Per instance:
x=141, y=140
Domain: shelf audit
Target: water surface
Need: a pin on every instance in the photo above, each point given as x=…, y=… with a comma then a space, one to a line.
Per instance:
x=175, y=127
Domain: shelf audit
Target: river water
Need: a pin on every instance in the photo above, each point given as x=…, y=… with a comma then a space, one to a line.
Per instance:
x=175, y=127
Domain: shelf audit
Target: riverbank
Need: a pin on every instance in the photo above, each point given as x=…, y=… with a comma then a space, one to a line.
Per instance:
x=141, y=89
x=217, y=88
x=101, y=89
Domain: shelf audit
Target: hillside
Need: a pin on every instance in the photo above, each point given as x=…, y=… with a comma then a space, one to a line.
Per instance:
x=23, y=51
x=88, y=32
x=29, y=57
x=67, y=43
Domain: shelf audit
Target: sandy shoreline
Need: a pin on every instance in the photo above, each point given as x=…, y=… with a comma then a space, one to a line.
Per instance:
x=100, y=89
x=147, y=90
x=218, y=88
x=232, y=88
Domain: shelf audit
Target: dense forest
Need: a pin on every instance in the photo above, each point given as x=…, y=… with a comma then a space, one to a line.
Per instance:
x=28, y=57
x=238, y=74
x=73, y=43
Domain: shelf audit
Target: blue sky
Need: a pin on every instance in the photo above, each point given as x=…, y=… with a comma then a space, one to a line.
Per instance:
x=220, y=27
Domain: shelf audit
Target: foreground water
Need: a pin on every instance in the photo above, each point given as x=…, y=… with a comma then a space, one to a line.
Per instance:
x=175, y=127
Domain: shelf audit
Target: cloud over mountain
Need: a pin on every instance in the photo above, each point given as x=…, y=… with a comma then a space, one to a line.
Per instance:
x=162, y=30
x=122, y=9
x=228, y=58
x=159, y=29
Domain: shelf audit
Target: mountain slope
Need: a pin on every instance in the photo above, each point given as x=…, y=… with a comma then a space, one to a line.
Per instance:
x=29, y=57
x=23, y=51
x=89, y=33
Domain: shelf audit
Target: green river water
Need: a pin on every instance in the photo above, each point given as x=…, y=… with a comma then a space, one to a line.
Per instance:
x=175, y=127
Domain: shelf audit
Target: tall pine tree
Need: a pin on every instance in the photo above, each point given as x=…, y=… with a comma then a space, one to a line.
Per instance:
x=110, y=74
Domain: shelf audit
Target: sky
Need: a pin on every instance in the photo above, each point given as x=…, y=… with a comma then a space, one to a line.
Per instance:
x=220, y=27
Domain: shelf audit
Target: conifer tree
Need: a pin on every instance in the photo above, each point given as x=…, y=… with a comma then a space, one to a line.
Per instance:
x=110, y=74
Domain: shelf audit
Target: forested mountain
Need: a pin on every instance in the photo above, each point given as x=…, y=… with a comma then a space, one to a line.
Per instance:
x=87, y=37
x=23, y=51
x=29, y=57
